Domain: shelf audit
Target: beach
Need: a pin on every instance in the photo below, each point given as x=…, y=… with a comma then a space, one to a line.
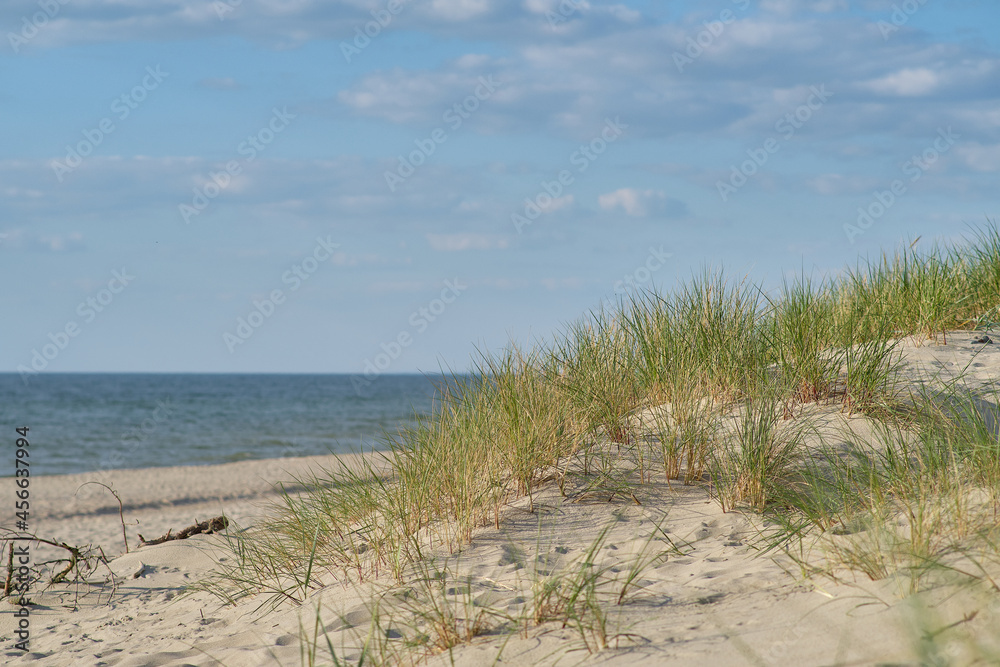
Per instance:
x=705, y=592
x=378, y=333
x=695, y=605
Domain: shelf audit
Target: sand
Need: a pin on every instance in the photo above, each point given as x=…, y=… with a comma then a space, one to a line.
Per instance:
x=711, y=598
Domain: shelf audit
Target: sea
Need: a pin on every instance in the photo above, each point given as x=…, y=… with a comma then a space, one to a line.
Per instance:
x=80, y=422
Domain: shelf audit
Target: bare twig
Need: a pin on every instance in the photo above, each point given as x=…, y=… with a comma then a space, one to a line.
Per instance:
x=76, y=554
x=121, y=509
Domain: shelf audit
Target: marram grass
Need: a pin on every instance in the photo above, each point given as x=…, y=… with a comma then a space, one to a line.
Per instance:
x=921, y=503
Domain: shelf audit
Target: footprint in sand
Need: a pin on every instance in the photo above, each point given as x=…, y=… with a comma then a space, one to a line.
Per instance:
x=704, y=532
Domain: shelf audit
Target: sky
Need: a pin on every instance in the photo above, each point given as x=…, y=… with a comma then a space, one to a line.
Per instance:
x=389, y=186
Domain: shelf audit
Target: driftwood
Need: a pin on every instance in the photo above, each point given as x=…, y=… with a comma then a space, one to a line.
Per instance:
x=206, y=527
x=88, y=557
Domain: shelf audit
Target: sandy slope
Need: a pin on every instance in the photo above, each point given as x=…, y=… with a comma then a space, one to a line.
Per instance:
x=712, y=600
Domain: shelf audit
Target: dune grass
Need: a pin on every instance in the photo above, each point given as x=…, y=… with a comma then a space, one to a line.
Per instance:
x=440, y=605
x=918, y=503
x=729, y=369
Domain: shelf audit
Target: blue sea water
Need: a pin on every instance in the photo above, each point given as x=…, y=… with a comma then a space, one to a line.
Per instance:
x=82, y=422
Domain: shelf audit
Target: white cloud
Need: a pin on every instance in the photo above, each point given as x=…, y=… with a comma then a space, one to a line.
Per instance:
x=459, y=10
x=21, y=193
x=557, y=203
x=507, y=283
x=787, y=7
x=466, y=241
x=60, y=242
x=637, y=203
x=19, y=239
x=909, y=82
x=979, y=157
x=839, y=184
x=286, y=24
x=568, y=6
x=622, y=13
x=396, y=286
x=555, y=284
x=568, y=86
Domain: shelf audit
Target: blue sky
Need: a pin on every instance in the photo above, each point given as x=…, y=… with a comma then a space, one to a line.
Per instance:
x=225, y=186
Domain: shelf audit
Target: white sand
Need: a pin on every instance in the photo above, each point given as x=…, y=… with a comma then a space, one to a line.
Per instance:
x=719, y=603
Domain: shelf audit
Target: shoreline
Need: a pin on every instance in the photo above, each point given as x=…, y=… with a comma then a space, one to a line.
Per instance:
x=171, y=485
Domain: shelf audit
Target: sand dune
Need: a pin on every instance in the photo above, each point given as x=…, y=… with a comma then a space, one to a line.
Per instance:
x=710, y=597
